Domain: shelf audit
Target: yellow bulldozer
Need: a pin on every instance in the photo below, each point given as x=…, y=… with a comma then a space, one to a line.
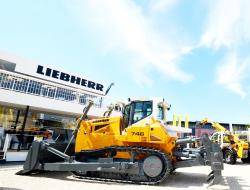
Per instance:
x=136, y=147
x=232, y=145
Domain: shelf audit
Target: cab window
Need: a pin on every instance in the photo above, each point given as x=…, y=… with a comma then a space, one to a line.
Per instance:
x=160, y=114
x=142, y=110
x=126, y=115
x=126, y=110
x=215, y=138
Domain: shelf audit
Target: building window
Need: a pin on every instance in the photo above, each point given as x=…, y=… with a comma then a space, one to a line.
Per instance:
x=83, y=99
x=51, y=92
x=35, y=87
x=20, y=84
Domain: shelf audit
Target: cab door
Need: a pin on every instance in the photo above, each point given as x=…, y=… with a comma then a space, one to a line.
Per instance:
x=216, y=138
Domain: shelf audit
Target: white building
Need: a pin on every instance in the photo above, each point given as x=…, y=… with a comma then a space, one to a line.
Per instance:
x=35, y=97
x=47, y=89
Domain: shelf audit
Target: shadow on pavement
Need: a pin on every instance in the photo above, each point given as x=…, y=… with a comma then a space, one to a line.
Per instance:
x=185, y=180
x=176, y=180
x=68, y=176
x=235, y=183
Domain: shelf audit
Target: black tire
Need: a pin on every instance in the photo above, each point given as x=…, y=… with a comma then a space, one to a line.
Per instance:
x=230, y=157
x=246, y=160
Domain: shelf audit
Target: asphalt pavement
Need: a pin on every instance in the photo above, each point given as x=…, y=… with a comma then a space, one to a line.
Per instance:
x=235, y=177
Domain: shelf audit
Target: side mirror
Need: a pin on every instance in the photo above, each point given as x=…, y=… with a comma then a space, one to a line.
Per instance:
x=169, y=107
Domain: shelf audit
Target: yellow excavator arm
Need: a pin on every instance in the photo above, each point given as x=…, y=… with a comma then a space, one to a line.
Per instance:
x=218, y=127
x=215, y=125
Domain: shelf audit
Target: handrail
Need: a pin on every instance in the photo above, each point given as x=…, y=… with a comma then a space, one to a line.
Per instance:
x=45, y=89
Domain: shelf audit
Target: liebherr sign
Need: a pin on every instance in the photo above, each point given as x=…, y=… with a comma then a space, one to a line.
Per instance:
x=68, y=78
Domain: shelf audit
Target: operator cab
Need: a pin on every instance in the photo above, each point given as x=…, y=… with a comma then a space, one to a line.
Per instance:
x=138, y=110
x=222, y=138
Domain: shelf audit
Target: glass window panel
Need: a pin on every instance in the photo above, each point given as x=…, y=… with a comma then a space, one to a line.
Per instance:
x=160, y=114
x=142, y=110
x=1, y=77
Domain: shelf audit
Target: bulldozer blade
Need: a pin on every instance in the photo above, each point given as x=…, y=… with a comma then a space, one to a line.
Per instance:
x=214, y=158
x=38, y=155
x=32, y=160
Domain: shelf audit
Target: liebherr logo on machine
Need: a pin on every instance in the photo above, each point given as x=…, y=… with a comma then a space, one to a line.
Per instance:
x=69, y=78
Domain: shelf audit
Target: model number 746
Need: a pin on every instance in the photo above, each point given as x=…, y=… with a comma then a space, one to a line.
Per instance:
x=137, y=133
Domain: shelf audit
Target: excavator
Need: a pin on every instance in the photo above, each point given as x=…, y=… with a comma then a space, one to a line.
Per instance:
x=232, y=146
x=136, y=147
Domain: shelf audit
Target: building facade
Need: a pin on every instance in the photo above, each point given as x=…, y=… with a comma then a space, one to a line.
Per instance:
x=36, y=98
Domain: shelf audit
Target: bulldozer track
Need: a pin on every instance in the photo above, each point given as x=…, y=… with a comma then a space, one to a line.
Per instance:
x=131, y=179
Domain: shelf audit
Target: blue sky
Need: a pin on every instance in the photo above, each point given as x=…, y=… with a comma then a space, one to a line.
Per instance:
x=193, y=53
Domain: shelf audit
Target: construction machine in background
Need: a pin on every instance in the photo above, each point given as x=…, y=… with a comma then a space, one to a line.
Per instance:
x=232, y=145
x=243, y=135
x=137, y=147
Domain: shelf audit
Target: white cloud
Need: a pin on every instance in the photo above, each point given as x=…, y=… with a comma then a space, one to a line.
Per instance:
x=232, y=72
x=161, y=5
x=121, y=27
x=228, y=23
x=228, y=27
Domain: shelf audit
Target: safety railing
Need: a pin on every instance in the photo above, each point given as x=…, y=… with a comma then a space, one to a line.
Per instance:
x=27, y=85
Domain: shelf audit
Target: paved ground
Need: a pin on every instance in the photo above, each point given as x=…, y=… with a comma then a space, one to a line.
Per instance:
x=235, y=177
